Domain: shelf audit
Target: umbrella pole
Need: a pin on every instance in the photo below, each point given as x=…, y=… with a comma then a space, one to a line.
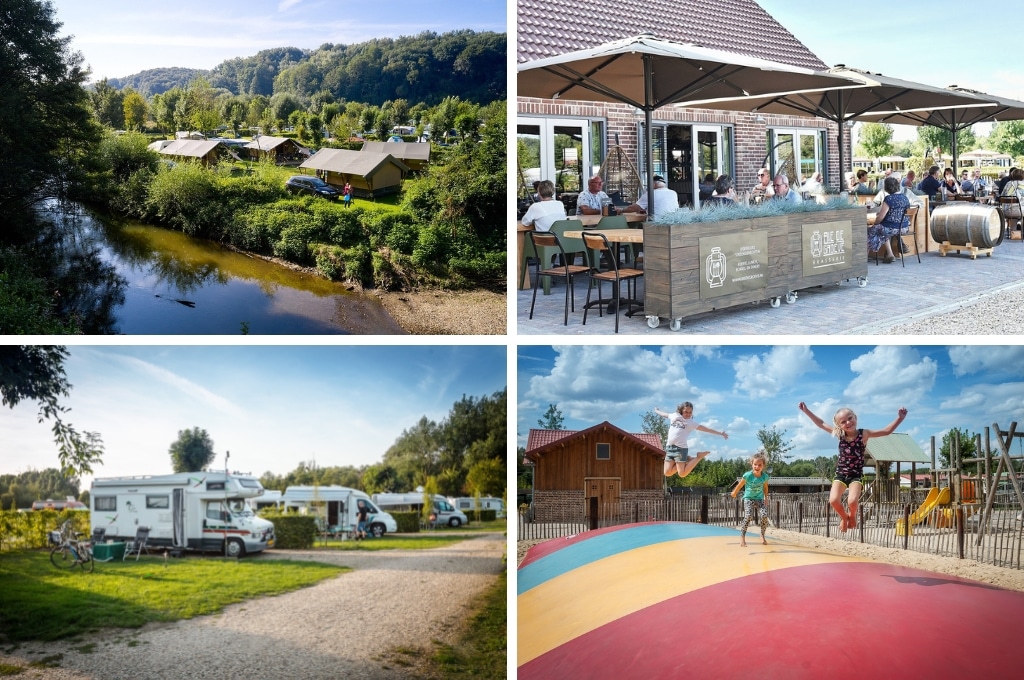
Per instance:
x=842, y=124
x=648, y=119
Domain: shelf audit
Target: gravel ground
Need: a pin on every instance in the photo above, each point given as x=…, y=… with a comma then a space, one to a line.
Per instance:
x=986, y=573
x=475, y=312
x=998, y=313
x=340, y=628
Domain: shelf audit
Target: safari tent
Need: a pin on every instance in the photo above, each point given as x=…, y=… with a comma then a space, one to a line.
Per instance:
x=371, y=174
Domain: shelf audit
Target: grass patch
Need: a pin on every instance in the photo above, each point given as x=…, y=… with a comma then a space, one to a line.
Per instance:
x=39, y=602
x=481, y=651
x=392, y=542
x=7, y=670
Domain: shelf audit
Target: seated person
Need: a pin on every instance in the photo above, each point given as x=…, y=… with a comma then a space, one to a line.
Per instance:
x=930, y=184
x=1014, y=187
x=546, y=211
x=706, y=187
x=814, y=184
x=665, y=200
x=861, y=185
x=724, y=194
x=909, y=180
x=763, y=188
x=589, y=202
x=966, y=185
x=949, y=182
x=782, y=191
x=979, y=182
x=890, y=221
x=1003, y=179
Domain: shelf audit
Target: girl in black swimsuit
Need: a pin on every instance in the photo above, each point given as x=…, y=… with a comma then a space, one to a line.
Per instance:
x=850, y=467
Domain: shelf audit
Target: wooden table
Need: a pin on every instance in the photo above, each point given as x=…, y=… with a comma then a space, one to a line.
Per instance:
x=613, y=235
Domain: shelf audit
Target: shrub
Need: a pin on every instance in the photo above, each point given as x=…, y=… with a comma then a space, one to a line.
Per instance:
x=348, y=230
x=131, y=195
x=432, y=246
x=408, y=522
x=352, y=264
x=185, y=197
x=292, y=531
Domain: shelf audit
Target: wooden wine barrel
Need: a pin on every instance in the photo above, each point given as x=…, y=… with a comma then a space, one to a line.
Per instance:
x=963, y=223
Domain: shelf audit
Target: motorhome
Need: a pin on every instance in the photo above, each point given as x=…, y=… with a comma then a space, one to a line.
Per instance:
x=184, y=511
x=468, y=504
x=339, y=507
x=444, y=512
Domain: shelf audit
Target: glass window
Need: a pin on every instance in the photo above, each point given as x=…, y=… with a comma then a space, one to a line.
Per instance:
x=158, y=502
x=604, y=451
x=108, y=503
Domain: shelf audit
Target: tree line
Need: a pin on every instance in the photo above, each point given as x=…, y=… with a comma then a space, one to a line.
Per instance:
x=414, y=68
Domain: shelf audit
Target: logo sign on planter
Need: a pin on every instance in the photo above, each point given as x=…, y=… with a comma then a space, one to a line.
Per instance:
x=733, y=263
x=827, y=247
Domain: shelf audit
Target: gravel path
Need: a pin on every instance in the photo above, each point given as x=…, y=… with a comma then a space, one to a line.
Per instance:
x=339, y=628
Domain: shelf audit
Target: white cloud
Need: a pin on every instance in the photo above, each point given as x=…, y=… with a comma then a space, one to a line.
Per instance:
x=765, y=375
x=287, y=4
x=890, y=376
x=1005, y=359
x=195, y=392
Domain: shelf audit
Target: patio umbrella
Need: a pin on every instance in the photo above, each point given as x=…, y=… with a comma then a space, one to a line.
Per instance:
x=872, y=93
x=987, y=108
x=648, y=73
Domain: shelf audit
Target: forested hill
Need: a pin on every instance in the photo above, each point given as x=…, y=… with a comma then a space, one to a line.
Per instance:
x=423, y=68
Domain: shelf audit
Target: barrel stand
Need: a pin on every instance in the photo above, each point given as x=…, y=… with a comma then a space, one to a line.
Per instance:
x=946, y=246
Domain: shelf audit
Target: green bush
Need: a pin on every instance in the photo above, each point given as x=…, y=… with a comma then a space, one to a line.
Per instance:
x=292, y=531
x=395, y=230
x=27, y=530
x=431, y=251
x=348, y=230
x=408, y=522
x=186, y=197
x=341, y=264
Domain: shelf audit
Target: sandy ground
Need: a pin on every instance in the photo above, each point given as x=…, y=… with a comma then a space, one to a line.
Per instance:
x=1006, y=578
x=476, y=312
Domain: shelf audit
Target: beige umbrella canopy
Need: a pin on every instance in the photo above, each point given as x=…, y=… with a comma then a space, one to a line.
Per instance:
x=649, y=73
x=986, y=108
x=872, y=93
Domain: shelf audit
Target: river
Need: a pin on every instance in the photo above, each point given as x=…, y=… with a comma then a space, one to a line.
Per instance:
x=168, y=283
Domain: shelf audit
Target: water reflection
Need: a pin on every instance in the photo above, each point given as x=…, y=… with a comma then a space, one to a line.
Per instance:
x=175, y=284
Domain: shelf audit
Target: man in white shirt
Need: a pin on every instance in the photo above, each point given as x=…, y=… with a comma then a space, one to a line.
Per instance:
x=546, y=211
x=589, y=201
x=665, y=200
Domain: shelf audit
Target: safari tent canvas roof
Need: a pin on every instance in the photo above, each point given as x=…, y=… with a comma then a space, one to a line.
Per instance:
x=344, y=161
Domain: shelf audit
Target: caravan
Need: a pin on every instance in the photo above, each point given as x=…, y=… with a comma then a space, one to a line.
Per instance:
x=468, y=504
x=339, y=504
x=443, y=511
x=184, y=511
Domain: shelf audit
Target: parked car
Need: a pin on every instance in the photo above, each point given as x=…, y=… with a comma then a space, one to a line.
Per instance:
x=300, y=184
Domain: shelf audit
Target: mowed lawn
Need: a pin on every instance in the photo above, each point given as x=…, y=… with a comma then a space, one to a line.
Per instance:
x=40, y=602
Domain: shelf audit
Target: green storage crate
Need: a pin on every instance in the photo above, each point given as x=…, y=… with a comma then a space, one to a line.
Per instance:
x=105, y=552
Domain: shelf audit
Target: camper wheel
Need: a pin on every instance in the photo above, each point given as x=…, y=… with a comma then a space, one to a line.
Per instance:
x=376, y=530
x=236, y=548
x=454, y=522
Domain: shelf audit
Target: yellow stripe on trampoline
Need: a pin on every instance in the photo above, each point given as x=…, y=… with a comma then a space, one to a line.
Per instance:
x=591, y=596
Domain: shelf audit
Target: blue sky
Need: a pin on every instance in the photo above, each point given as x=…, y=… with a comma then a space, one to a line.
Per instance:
x=935, y=44
x=741, y=388
x=122, y=37
x=270, y=406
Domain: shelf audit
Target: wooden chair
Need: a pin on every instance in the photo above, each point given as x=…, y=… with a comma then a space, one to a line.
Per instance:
x=597, y=243
x=544, y=242
x=910, y=214
x=571, y=247
x=1005, y=205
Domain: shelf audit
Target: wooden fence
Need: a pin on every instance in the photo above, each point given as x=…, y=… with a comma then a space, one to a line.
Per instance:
x=961, y=532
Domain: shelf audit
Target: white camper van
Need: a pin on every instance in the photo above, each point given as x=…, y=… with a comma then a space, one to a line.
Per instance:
x=468, y=504
x=187, y=510
x=339, y=503
x=444, y=512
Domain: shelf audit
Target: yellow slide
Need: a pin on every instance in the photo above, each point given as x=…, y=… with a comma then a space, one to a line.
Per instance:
x=935, y=497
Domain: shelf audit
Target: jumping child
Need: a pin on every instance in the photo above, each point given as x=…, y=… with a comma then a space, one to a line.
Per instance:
x=755, y=496
x=850, y=467
x=677, y=454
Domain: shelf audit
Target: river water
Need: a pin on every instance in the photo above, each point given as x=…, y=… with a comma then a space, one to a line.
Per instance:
x=173, y=284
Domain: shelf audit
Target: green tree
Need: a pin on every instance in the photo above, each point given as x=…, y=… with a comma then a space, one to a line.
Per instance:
x=1008, y=137
x=46, y=125
x=876, y=139
x=135, y=110
x=933, y=137
x=108, y=102
x=379, y=479
x=966, y=440
x=775, y=445
x=552, y=419
x=36, y=373
x=652, y=423
x=487, y=478
x=192, y=451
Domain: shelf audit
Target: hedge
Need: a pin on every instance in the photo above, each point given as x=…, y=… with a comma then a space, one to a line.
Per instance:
x=408, y=522
x=292, y=531
x=27, y=530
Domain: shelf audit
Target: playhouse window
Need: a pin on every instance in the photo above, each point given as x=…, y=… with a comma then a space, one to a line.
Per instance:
x=604, y=451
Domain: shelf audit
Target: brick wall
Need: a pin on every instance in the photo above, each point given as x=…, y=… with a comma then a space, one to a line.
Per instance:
x=571, y=505
x=750, y=135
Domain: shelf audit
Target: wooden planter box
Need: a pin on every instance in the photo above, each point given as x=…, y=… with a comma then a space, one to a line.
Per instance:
x=690, y=269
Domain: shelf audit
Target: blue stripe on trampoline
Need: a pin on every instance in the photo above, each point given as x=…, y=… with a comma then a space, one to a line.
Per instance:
x=605, y=545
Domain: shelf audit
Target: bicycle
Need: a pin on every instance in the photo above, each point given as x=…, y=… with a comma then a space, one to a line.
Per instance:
x=69, y=551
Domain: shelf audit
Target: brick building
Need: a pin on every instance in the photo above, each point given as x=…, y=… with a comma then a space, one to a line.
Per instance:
x=566, y=141
x=571, y=466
